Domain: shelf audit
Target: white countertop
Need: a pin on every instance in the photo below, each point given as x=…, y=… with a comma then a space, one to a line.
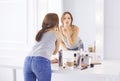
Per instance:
x=111, y=67
x=108, y=69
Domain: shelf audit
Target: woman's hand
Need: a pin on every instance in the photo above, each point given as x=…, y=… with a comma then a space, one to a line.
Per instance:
x=54, y=60
x=67, y=32
x=58, y=35
x=64, y=31
x=70, y=34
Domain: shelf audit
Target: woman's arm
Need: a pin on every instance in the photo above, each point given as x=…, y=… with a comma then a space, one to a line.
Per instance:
x=57, y=43
x=63, y=45
x=72, y=38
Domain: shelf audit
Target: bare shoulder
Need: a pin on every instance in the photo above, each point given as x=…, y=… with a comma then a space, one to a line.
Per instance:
x=75, y=28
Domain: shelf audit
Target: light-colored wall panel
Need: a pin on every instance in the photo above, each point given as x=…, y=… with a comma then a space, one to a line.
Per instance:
x=6, y=74
x=19, y=75
x=112, y=29
x=13, y=27
x=13, y=21
x=18, y=29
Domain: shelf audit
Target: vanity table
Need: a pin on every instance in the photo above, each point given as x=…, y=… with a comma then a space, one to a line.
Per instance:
x=107, y=71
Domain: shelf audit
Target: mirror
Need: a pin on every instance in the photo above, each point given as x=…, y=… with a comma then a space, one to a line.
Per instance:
x=84, y=16
x=87, y=15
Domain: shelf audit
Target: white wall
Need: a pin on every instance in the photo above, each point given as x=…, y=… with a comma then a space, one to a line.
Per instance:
x=13, y=27
x=17, y=30
x=47, y=6
x=20, y=21
x=6, y=74
x=112, y=29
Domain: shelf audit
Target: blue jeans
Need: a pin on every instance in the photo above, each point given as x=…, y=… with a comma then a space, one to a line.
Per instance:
x=74, y=49
x=77, y=48
x=36, y=67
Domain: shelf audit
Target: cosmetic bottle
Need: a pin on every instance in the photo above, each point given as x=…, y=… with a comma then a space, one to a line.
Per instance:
x=75, y=60
x=87, y=59
x=82, y=60
x=60, y=61
x=78, y=59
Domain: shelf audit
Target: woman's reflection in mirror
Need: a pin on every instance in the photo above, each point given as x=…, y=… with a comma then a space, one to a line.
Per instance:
x=69, y=31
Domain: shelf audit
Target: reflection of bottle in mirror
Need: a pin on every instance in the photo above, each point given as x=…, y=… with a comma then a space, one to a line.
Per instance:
x=60, y=59
x=81, y=47
x=78, y=59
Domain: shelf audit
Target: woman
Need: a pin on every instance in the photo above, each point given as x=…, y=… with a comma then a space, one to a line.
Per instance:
x=37, y=63
x=70, y=39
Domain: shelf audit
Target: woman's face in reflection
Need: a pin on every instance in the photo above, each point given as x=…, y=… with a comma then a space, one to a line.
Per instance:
x=67, y=19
